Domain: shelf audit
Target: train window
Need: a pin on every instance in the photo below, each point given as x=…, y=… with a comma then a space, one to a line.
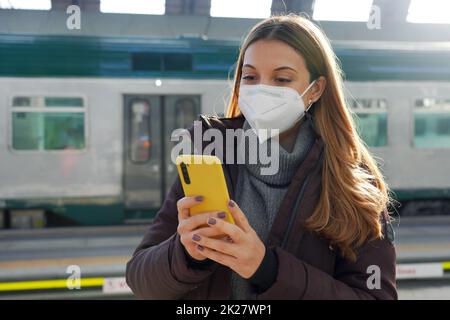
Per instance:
x=37, y=127
x=161, y=61
x=55, y=102
x=140, y=140
x=146, y=61
x=432, y=123
x=177, y=62
x=22, y=102
x=371, y=120
x=185, y=112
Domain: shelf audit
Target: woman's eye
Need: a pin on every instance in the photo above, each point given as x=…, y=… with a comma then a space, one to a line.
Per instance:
x=248, y=77
x=283, y=80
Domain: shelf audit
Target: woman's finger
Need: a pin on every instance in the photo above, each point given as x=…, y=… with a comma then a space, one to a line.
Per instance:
x=198, y=220
x=226, y=228
x=185, y=203
x=207, y=232
x=217, y=245
x=221, y=258
x=239, y=217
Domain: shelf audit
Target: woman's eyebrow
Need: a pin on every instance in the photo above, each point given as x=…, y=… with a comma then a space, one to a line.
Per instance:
x=285, y=67
x=248, y=65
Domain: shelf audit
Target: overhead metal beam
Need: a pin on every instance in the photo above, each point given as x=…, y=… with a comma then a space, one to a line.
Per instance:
x=292, y=6
x=393, y=12
x=172, y=26
x=188, y=7
x=85, y=5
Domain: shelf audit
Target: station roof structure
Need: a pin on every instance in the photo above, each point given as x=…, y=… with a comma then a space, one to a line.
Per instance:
x=361, y=20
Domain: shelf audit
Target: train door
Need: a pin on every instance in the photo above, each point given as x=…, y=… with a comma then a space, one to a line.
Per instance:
x=180, y=112
x=142, y=151
x=148, y=124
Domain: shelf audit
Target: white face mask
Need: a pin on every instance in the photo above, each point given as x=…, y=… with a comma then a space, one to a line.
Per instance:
x=270, y=107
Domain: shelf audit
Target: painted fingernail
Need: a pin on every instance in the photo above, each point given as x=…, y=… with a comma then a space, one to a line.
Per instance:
x=199, y=247
x=199, y=198
x=212, y=221
x=231, y=203
x=222, y=215
x=196, y=237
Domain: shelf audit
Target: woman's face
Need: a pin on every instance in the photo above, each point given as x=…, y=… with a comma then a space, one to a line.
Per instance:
x=275, y=63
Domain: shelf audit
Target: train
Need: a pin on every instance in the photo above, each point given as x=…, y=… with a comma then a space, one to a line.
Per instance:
x=85, y=122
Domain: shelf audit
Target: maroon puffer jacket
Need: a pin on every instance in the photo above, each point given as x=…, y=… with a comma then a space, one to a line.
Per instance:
x=308, y=267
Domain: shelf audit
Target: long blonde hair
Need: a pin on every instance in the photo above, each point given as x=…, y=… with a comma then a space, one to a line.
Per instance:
x=353, y=193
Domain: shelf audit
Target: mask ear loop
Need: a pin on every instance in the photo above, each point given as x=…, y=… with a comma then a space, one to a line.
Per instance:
x=310, y=102
x=309, y=105
x=309, y=117
x=308, y=112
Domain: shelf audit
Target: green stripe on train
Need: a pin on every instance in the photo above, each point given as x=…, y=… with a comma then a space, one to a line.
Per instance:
x=80, y=56
x=91, y=211
x=87, y=211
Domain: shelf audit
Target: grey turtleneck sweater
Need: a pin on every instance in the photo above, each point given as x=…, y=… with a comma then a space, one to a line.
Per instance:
x=260, y=196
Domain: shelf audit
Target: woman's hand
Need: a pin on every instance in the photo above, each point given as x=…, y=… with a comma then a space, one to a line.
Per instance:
x=243, y=254
x=188, y=225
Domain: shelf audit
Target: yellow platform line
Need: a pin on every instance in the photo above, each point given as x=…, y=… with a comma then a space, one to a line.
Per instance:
x=84, y=283
x=48, y=284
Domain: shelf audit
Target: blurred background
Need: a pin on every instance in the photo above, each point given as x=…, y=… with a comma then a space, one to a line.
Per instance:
x=90, y=91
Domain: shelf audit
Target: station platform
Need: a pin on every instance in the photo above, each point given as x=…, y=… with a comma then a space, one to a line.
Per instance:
x=422, y=239
x=35, y=263
x=41, y=261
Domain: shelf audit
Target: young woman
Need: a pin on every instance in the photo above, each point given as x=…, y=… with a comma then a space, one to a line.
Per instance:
x=317, y=228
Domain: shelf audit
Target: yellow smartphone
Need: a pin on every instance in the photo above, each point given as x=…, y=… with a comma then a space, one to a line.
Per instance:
x=202, y=175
